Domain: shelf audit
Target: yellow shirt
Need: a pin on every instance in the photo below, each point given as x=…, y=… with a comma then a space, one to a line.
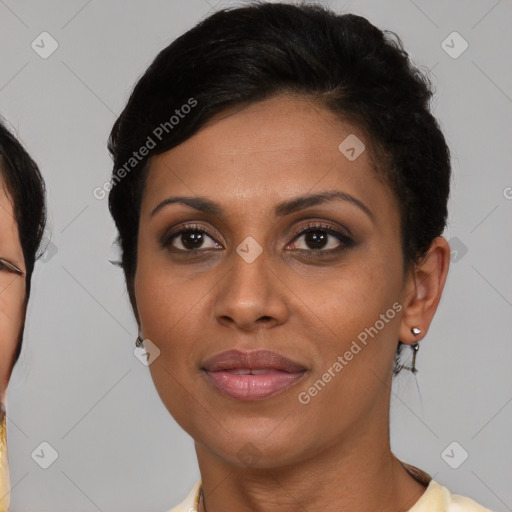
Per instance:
x=436, y=498
x=5, y=485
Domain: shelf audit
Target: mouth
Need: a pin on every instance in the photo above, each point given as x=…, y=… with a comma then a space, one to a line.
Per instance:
x=253, y=375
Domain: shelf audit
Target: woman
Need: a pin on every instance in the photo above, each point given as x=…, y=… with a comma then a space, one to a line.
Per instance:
x=280, y=190
x=22, y=220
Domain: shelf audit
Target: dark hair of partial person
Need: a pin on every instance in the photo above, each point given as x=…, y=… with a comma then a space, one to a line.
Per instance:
x=26, y=188
x=242, y=55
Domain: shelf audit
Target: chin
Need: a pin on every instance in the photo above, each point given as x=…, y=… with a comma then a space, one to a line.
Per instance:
x=254, y=446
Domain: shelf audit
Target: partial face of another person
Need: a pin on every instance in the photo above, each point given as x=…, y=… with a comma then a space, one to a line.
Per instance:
x=264, y=271
x=12, y=288
x=12, y=314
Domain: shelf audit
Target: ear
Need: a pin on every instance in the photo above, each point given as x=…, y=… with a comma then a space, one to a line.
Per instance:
x=422, y=291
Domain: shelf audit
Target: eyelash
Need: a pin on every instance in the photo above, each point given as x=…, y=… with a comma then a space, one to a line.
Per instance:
x=345, y=241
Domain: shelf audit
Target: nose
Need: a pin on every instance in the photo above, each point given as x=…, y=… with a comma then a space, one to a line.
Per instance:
x=251, y=295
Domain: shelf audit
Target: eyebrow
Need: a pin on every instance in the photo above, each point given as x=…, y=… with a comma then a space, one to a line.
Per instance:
x=205, y=205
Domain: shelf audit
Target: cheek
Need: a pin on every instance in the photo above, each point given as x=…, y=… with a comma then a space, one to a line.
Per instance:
x=12, y=313
x=355, y=316
x=358, y=318
x=162, y=308
x=166, y=304
x=348, y=299
x=173, y=312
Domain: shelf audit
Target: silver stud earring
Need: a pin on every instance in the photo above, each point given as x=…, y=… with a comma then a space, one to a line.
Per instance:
x=415, y=331
x=138, y=341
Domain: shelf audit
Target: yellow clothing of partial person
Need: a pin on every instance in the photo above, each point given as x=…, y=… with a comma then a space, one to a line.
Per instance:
x=5, y=484
x=436, y=498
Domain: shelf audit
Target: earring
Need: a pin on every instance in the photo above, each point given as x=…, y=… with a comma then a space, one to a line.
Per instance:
x=414, y=347
x=139, y=341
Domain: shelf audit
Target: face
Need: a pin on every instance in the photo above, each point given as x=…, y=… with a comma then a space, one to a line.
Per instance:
x=12, y=288
x=264, y=268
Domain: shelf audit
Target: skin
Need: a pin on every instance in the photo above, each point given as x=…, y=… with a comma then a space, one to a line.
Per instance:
x=328, y=454
x=12, y=289
x=12, y=315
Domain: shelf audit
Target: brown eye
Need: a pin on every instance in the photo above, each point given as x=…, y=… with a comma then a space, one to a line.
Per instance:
x=190, y=239
x=316, y=239
x=322, y=239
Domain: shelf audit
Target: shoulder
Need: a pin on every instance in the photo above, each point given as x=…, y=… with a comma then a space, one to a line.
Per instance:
x=189, y=504
x=439, y=499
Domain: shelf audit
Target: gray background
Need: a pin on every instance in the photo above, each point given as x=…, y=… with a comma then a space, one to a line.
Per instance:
x=78, y=385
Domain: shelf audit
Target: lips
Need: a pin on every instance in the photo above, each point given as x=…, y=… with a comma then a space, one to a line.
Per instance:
x=252, y=375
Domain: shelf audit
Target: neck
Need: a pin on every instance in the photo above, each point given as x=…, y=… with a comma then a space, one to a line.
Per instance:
x=360, y=476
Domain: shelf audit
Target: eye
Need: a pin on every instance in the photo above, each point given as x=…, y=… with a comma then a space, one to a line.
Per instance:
x=317, y=238
x=321, y=238
x=190, y=238
x=9, y=267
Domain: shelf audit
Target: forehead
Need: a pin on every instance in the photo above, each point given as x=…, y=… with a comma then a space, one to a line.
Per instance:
x=6, y=206
x=6, y=200
x=267, y=152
